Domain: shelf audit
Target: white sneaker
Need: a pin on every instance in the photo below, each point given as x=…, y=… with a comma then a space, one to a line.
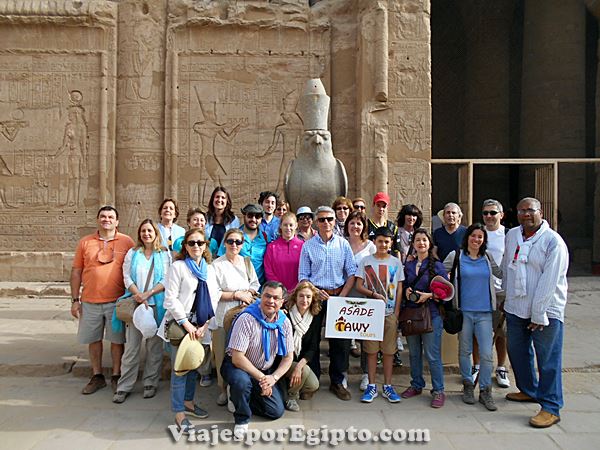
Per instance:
x=474, y=372
x=502, y=377
x=222, y=399
x=230, y=405
x=240, y=431
x=345, y=381
x=364, y=382
x=400, y=344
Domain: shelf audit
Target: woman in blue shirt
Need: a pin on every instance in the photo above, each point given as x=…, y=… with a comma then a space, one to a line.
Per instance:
x=426, y=266
x=472, y=272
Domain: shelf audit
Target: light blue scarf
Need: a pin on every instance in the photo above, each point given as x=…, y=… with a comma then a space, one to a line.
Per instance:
x=254, y=311
x=157, y=275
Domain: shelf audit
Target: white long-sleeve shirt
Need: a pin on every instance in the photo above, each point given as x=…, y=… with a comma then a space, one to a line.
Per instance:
x=546, y=271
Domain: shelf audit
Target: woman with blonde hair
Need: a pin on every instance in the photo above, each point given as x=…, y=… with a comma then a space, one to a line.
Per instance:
x=303, y=307
x=144, y=271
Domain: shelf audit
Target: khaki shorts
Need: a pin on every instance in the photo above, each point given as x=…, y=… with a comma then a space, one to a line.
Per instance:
x=389, y=345
x=96, y=322
x=496, y=315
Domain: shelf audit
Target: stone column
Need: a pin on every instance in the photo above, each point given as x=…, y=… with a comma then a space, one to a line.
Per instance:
x=553, y=100
x=487, y=122
x=594, y=8
x=140, y=110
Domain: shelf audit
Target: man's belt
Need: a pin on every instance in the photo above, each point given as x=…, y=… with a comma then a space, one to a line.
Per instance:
x=333, y=292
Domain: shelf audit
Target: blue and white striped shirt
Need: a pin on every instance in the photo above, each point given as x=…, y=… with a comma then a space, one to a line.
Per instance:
x=546, y=281
x=326, y=265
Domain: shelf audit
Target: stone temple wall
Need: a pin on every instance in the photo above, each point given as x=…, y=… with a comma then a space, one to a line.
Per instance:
x=132, y=101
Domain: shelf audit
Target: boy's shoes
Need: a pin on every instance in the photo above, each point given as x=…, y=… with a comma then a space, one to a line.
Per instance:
x=369, y=394
x=390, y=393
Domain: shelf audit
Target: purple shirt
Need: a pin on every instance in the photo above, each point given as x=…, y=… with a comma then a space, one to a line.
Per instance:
x=282, y=260
x=410, y=274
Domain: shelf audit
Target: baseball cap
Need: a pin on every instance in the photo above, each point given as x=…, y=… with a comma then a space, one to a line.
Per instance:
x=381, y=197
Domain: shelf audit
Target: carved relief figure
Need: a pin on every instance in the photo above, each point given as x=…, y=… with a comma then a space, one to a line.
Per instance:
x=72, y=155
x=10, y=128
x=287, y=133
x=208, y=130
x=315, y=177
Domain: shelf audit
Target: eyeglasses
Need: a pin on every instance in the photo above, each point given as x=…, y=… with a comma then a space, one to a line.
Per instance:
x=270, y=296
x=237, y=242
x=360, y=207
x=342, y=208
x=306, y=217
x=196, y=243
x=326, y=219
x=522, y=212
x=489, y=213
x=254, y=216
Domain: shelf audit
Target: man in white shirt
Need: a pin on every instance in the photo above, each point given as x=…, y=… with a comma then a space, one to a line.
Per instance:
x=492, y=213
x=535, y=266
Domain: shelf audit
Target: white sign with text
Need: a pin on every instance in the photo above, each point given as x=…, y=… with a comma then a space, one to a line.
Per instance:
x=355, y=318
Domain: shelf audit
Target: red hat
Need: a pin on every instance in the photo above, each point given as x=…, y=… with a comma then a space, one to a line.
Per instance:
x=381, y=197
x=441, y=288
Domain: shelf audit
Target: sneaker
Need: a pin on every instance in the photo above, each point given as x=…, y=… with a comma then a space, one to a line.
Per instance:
x=397, y=360
x=345, y=381
x=364, y=381
x=486, y=399
x=468, y=395
x=222, y=399
x=292, y=405
x=370, y=393
x=475, y=373
x=390, y=393
x=502, y=377
x=120, y=396
x=230, y=405
x=149, y=391
x=196, y=411
x=206, y=380
x=240, y=431
x=186, y=427
x=411, y=392
x=438, y=400
x=95, y=383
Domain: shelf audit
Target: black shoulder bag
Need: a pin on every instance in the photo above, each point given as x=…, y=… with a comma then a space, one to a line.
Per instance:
x=453, y=317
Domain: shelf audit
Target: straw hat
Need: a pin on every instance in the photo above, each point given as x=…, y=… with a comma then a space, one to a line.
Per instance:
x=190, y=355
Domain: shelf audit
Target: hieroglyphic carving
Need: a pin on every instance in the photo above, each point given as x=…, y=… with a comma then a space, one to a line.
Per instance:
x=411, y=180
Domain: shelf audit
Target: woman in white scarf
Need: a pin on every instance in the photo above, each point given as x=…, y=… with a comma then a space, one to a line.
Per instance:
x=303, y=309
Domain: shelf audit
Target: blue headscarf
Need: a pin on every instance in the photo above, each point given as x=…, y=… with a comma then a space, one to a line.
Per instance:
x=157, y=276
x=202, y=302
x=255, y=311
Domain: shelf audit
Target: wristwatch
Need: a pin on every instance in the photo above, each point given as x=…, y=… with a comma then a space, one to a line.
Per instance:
x=75, y=300
x=275, y=377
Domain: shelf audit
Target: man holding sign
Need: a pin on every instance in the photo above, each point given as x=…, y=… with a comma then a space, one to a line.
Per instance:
x=327, y=262
x=380, y=277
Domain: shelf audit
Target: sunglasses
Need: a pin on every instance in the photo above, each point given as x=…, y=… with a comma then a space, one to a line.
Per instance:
x=490, y=213
x=254, y=216
x=306, y=217
x=359, y=207
x=237, y=242
x=342, y=208
x=326, y=219
x=194, y=243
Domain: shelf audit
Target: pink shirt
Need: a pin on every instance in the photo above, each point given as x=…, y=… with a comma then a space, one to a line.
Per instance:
x=282, y=260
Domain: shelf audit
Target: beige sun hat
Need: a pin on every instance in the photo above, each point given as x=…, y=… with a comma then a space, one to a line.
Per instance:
x=190, y=355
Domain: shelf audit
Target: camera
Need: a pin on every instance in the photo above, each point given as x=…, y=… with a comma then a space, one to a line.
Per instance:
x=413, y=297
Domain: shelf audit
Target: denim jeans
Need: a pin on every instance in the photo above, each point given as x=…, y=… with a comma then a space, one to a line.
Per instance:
x=245, y=395
x=431, y=344
x=480, y=324
x=547, y=344
x=182, y=388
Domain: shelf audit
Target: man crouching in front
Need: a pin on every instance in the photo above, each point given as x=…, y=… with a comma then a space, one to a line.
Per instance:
x=259, y=334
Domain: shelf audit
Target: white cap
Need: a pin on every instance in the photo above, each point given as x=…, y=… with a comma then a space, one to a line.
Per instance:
x=143, y=320
x=305, y=210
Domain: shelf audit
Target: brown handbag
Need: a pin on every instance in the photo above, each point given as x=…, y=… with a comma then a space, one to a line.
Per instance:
x=126, y=306
x=414, y=321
